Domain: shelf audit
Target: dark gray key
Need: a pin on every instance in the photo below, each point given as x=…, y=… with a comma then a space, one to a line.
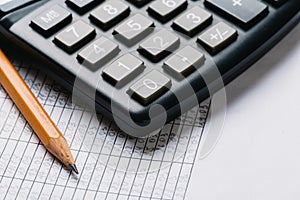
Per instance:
x=82, y=6
x=51, y=20
x=139, y=3
x=123, y=69
x=159, y=45
x=134, y=29
x=276, y=2
x=192, y=21
x=184, y=62
x=164, y=10
x=98, y=53
x=245, y=13
x=149, y=87
x=217, y=37
x=74, y=36
x=109, y=13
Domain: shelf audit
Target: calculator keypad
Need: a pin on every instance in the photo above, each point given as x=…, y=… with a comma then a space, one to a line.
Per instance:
x=109, y=14
x=184, y=62
x=149, y=87
x=244, y=12
x=134, y=29
x=74, y=36
x=151, y=42
x=159, y=45
x=98, y=53
x=51, y=20
x=123, y=69
x=192, y=21
x=164, y=10
x=217, y=37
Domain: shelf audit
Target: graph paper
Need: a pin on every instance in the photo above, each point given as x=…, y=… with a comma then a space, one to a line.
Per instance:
x=112, y=164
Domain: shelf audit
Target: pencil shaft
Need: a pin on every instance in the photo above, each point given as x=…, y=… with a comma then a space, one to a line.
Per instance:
x=33, y=112
x=26, y=102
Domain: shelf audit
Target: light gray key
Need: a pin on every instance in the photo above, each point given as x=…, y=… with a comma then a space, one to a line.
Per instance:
x=109, y=13
x=149, y=87
x=159, y=45
x=184, y=62
x=217, y=37
x=134, y=29
x=51, y=20
x=74, y=36
x=164, y=10
x=192, y=21
x=98, y=53
x=123, y=69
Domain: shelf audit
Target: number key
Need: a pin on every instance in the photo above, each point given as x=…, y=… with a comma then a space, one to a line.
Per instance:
x=134, y=29
x=159, y=45
x=192, y=21
x=164, y=10
x=82, y=6
x=123, y=69
x=149, y=87
x=98, y=53
x=74, y=36
x=109, y=14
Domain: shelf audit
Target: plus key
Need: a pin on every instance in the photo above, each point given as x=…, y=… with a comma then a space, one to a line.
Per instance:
x=244, y=13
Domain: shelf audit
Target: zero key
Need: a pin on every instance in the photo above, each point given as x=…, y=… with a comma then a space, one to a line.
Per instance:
x=244, y=13
x=149, y=87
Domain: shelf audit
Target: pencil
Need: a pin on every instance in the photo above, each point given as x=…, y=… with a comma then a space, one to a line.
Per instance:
x=34, y=113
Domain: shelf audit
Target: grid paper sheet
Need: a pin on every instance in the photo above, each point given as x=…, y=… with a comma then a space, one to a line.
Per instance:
x=112, y=165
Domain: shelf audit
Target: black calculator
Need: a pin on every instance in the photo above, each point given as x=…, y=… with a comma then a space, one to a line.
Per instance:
x=143, y=63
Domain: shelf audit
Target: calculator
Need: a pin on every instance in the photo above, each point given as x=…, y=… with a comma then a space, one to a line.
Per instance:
x=143, y=63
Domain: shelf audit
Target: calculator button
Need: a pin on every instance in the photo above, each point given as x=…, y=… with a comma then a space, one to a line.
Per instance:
x=243, y=12
x=139, y=3
x=164, y=10
x=123, y=69
x=159, y=45
x=184, y=61
x=134, y=29
x=109, y=14
x=276, y=2
x=192, y=21
x=98, y=53
x=149, y=87
x=51, y=20
x=82, y=6
x=74, y=36
x=217, y=37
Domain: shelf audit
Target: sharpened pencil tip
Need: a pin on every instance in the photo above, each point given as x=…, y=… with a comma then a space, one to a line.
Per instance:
x=73, y=168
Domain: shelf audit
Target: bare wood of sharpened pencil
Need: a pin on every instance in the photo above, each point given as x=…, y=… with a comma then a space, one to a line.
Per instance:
x=33, y=112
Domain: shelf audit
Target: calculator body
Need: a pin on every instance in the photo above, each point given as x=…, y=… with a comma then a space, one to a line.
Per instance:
x=136, y=111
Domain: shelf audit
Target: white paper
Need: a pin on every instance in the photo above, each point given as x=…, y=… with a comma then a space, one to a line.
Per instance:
x=111, y=164
x=258, y=155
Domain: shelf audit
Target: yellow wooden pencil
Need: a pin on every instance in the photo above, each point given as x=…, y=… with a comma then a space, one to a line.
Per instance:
x=34, y=113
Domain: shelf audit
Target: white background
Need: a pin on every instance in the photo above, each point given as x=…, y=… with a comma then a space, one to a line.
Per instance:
x=258, y=154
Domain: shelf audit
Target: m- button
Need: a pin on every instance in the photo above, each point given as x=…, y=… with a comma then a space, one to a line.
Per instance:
x=51, y=20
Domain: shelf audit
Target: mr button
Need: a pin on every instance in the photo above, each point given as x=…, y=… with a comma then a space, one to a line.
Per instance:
x=51, y=20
